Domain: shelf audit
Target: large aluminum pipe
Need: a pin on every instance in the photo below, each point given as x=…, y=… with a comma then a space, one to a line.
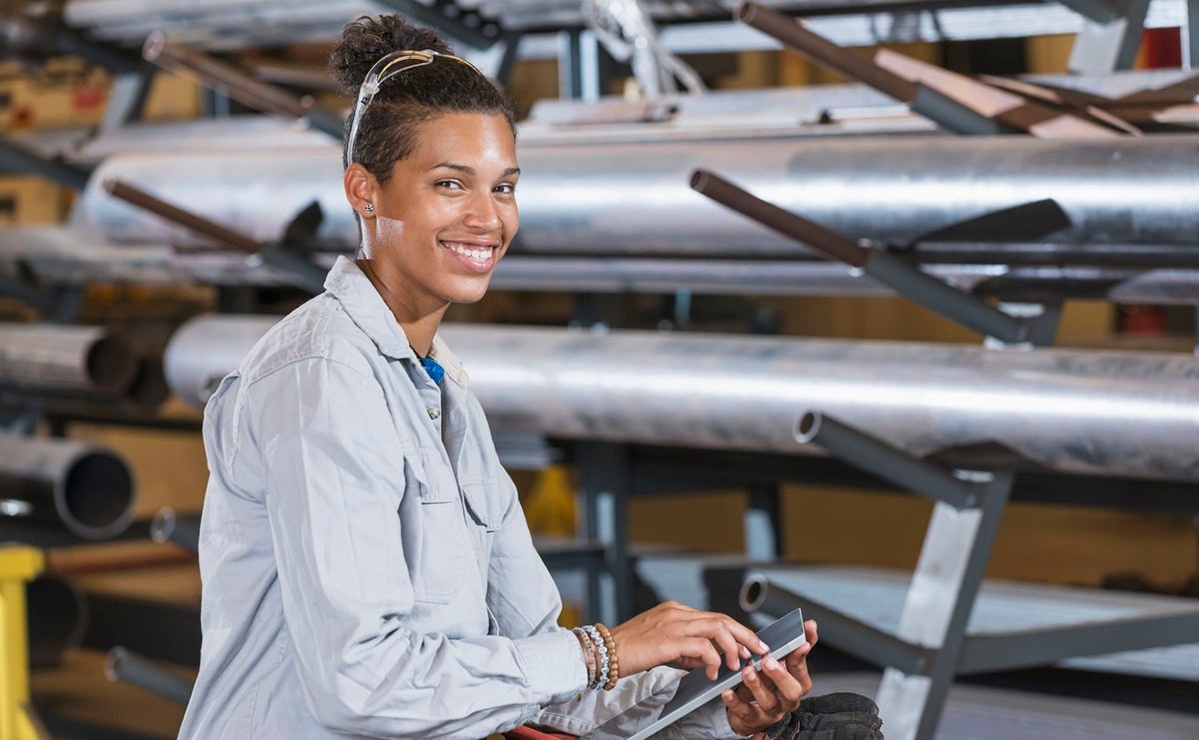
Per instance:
x=85, y=488
x=633, y=198
x=1126, y=413
x=65, y=359
x=208, y=348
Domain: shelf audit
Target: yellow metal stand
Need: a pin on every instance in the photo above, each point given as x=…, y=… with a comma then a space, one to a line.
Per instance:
x=18, y=565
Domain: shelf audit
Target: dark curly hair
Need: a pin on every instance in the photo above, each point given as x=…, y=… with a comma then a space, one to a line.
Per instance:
x=387, y=132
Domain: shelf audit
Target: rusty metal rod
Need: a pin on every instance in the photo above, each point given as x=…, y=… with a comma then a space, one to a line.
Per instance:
x=140, y=198
x=225, y=78
x=810, y=233
x=792, y=34
x=905, y=279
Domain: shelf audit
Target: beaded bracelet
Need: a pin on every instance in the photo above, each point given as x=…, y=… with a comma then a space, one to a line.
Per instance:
x=601, y=649
x=610, y=645
x=588, y=655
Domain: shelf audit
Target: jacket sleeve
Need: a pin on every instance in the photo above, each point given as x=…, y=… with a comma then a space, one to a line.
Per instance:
x=525, y=601
x=335, y=465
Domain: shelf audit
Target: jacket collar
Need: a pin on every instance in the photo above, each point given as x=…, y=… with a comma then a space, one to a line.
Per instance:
x=366, y=308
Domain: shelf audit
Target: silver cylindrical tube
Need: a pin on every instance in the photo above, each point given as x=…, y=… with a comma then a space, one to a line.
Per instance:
x=181, y=529
x=65, y=359
x=1124, y=413
x=122, y=665
x=85, y=488
x=633, y=198
x=193, y=377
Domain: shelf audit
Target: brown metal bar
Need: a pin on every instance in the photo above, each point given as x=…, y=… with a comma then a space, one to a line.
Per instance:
x=237, y=84
x=796, y=37
x=786, y=223
x=140, y=198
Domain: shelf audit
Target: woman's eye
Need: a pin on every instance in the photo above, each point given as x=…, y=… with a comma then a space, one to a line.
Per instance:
x=507, y=188
x=450, y=184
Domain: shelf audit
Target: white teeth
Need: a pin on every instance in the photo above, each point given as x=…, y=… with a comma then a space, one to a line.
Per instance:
x=482, y=254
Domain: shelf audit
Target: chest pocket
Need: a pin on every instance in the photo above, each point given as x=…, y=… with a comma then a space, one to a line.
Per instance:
x=444, y=544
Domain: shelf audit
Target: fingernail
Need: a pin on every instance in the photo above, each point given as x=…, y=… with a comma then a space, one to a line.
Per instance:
x=763, y=647
x=751, y=677
x=770, y=663
x=744, y=652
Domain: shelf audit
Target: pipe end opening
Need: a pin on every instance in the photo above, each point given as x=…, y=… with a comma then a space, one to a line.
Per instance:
x=162, y=525
x=807, y=426
x=110, y=364
x=114, y=662
x=753, y=592
x=97, y=496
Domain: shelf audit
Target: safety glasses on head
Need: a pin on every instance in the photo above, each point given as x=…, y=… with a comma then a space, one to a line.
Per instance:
x=387, y=67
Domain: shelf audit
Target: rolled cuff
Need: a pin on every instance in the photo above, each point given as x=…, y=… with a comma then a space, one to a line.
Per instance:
x=553, y=663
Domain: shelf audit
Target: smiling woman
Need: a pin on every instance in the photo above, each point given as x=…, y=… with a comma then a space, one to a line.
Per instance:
x=366, y=566
x=441, y=222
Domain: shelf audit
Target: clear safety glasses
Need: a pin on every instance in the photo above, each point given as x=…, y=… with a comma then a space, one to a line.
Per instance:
x=387, y=67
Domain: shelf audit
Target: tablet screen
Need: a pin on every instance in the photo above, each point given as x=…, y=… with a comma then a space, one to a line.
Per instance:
x=696, y=689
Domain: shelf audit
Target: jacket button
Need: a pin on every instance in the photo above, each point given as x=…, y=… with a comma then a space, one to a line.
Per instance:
x=434, y=413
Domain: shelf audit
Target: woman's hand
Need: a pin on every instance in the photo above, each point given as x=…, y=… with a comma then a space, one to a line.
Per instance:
x=765, y=698
x=677, y=634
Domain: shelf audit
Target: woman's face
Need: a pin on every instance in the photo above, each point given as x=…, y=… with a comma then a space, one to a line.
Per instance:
x=448, y=213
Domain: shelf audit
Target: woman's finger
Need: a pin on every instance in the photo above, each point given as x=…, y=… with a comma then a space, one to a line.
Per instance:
x=783, y=684
x=744, y=717
x=763, y=695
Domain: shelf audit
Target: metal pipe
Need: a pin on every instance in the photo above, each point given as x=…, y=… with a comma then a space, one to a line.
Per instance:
x=85, y=488
x=181, y=529
x=905, y=279
x=65, y=359
x=122, y=665
x=865, y=641
x=633, y=198
x=57, y=617
x=792, y=34
x=1109, y=412
x=881, y=459
x=238, y=85
x=194, y=376
x=158, y=207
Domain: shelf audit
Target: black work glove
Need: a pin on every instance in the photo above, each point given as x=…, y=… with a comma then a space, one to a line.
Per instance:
x=840, y=716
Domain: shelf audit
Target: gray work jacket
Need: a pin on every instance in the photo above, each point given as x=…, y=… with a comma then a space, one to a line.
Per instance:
x=366, y=566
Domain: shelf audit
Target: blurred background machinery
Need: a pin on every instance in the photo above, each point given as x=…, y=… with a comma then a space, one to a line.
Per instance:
x=778, y=262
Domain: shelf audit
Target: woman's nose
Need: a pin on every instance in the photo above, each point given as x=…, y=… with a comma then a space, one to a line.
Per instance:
x=482, y=211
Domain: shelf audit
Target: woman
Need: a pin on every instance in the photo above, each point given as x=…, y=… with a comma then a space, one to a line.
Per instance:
x=367, y=568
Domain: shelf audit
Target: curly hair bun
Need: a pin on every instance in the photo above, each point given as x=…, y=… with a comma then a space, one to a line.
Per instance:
x=367, y=39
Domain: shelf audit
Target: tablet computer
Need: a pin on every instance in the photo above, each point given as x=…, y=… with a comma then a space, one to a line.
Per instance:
x=696, y=689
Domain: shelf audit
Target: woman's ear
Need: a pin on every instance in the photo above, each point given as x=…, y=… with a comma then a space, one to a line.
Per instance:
x=361, y=190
